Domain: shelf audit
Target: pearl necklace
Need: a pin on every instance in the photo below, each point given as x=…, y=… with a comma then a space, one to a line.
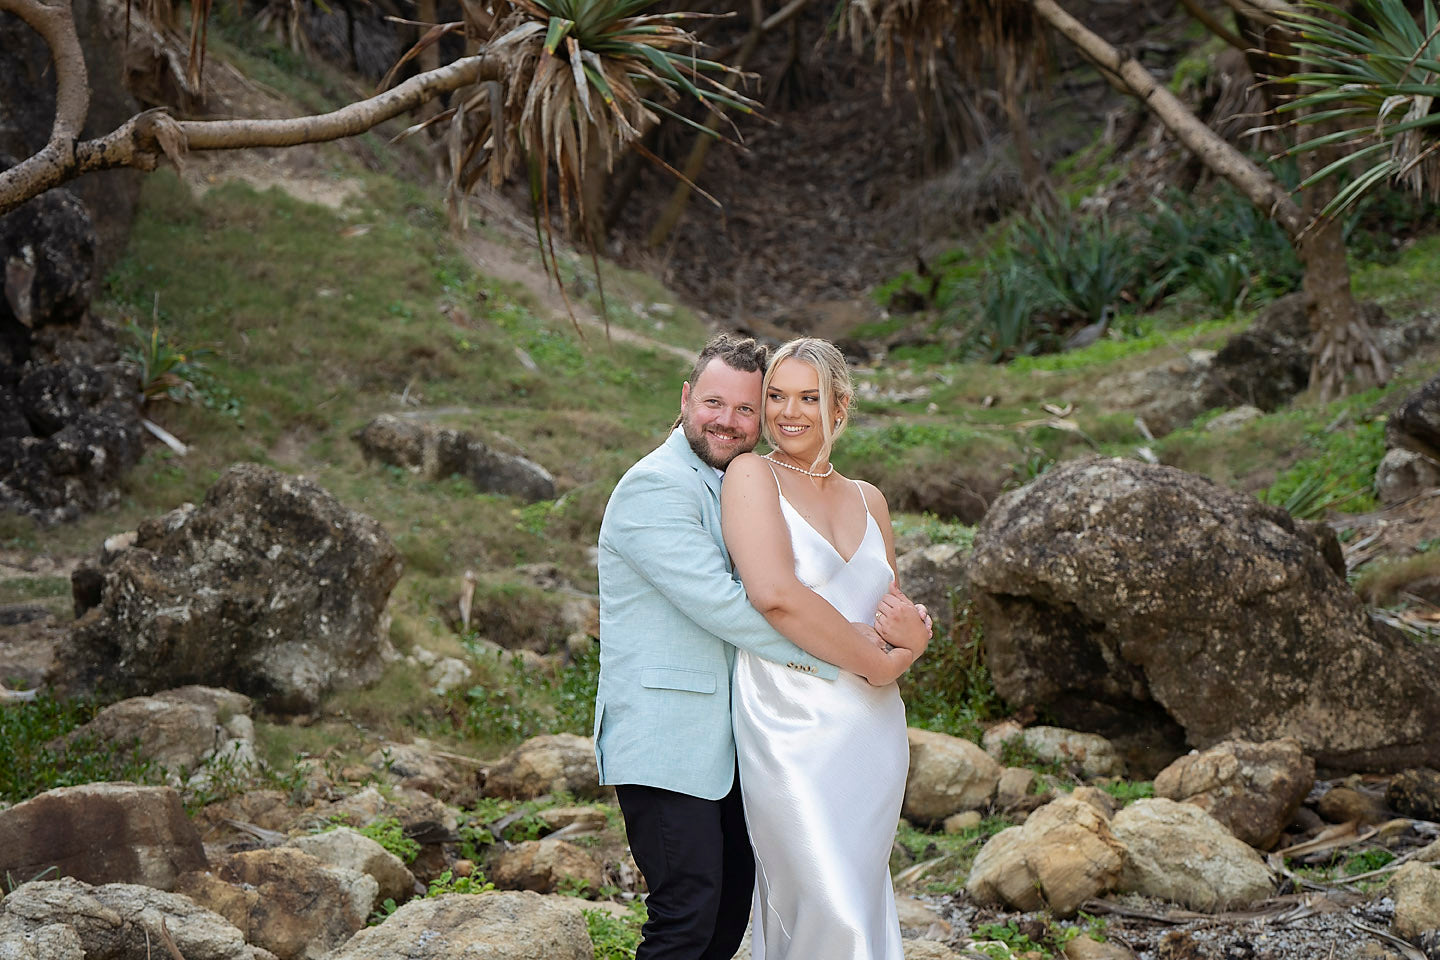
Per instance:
x=808, y=473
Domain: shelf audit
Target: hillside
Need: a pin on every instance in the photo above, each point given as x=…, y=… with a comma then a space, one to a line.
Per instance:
x=315, y=290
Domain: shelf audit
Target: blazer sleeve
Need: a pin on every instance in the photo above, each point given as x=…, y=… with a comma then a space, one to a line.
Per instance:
x=656, y=526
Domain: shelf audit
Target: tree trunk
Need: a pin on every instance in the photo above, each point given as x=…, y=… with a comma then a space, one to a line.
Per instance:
x=1038, y=190
x=1342, y=343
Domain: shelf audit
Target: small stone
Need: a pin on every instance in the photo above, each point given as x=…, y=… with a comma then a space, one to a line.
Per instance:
x=960, y=822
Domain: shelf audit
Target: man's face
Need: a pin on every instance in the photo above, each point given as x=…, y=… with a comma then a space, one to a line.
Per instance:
x=720, y=413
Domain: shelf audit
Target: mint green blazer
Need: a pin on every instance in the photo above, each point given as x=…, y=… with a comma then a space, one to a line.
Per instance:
x=671, y=615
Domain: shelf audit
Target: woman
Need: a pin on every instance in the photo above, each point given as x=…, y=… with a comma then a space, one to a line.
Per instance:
x=822, y=765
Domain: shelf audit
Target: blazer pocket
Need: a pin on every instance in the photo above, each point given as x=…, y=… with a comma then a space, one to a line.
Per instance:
x=677, y=678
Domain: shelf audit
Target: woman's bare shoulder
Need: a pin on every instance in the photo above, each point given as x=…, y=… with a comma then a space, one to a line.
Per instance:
x=874, y=499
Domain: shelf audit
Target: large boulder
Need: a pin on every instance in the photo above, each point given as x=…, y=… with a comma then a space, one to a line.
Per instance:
x=1159, y=608
x=286, y=901
x=348, y=848
x=1178, y=852
x=1266, y=364
x=70, y=920
x=553, y=763
x=545, y=866
x=947, y=775
x=100, y=833
x=270, y=587
x=1064, y=854
x=68, y=431
x=510, y=925
x=1086, y=754
x=436, y=452
x=1254, y=789
x=935, y=576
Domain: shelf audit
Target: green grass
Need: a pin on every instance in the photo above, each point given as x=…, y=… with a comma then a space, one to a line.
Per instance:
x=33, y=760
x=616, y=938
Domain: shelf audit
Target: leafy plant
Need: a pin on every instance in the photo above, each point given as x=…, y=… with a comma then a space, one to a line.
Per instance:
x=949, y=689
x=389, y=834
x=616, y=937
x=447, y=882
x=1012, y=299
x=34, y=758
x=1084, y=262
x=166, y=372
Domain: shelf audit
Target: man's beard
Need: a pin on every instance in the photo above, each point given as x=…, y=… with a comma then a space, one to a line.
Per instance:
x=699, y=442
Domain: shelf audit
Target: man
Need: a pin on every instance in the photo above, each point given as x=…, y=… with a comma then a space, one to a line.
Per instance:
x=671, y=614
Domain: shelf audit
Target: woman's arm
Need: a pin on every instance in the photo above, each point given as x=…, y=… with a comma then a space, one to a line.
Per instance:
x=759, y=545
x=898, y=620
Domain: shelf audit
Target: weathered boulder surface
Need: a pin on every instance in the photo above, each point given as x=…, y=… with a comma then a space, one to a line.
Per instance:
x=1415, y=424
x=1254, y=789
x=509, y=925
x=547, y=764
x=345, y=847
x=70, y=920
x=1266, y=364
x=1128, y=597
x=1178, y=852
x=1416, y=890
x=544, y=865
x=101, y=833
x=1402, y=474
x=270, y=587
x=1063, y=855
x=947, y=775
x=285, y=900
x=67, y=433
x=436, y=452
x=1087, y=754
x=933, y=575
x=178, y=729
x=1415, y=793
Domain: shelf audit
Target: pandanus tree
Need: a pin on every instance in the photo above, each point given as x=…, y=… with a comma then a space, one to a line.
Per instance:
x=1343, y=349
x=554, y=88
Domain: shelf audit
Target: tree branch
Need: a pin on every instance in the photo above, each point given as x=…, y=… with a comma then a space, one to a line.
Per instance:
x=55, y=22
x=1259, y=187
x=1265, y=11
x=1212, y=23
x=142, y=140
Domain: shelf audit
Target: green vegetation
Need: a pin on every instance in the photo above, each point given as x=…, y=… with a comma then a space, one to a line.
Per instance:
x=949, y=689
x=616, y=937
x=34, y=757
x=1035, y=937
x=952, y=853
x=387, y=832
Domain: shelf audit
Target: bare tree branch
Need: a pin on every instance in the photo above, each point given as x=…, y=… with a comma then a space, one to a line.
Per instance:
x=1259, y=187
x=143, y=139
x=1265, y=11
x=1212, y=23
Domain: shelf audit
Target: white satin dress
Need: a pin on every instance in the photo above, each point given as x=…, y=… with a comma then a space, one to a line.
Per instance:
x=822, y=772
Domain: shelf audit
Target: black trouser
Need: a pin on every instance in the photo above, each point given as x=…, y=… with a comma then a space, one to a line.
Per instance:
x=697, y=862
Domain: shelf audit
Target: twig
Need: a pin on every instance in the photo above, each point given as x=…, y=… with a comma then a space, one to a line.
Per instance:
x=1409, y=952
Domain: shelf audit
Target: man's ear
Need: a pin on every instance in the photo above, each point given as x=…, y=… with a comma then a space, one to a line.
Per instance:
x=685, y=395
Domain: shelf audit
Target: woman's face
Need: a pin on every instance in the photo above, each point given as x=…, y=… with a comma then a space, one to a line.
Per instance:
x=792, y=409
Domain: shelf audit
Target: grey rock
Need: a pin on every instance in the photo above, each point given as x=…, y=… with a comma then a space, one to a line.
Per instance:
x=436, y=452
x=1416, y=890
x=547, y=764
x=935, y=576
x=100, y=833
x=1254, y=789
x=501, y=925
x=545, y=865
x=947, y=775
x=345, y=847
x=1415, y=424
x=176, y=729
x=70, y=920
x=1402, y=474
x=1178, y=852
x=270, y=587
x=1124, y=597
x=1415, y=793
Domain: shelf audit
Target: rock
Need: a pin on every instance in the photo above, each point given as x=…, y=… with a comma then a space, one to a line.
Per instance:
x=927, y=950
x=935, y=576
x=177, y=729
x=947, y=775
x=1346, y=804
x=1232, y=420
x=270, y=587
x=1084, y=753
x=1254, y=789
x=1083, y=948
x=582, y=819
x=1415, y=424
x=421, y=764
x=451, y=673
x=1165, y=397
x=344, y=847
x=965, y=820
x=436, y=452
x=1268, y=364
x=68, y=432
x=1178, y=852
x=1062, y=856
x=1097, y=798
x=920, y=920
x=101, y=833
x=554, y=763
x=1015, y=785
x=1156, y=607
x=1415, y=888
x=115, y=921
x=1415, y=794
x=1402, y=474
x=545, y=866
x=508, y=925
x=286, y=901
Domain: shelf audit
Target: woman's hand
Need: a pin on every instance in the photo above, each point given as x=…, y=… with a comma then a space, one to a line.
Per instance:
x=895, y=661
x=901, y=624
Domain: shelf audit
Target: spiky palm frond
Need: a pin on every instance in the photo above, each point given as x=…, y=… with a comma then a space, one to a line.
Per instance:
x=1373, y=71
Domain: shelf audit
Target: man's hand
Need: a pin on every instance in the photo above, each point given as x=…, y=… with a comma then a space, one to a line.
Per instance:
x=901, y=623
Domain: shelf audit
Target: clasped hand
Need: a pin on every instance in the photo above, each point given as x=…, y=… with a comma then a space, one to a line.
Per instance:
x=902, y=623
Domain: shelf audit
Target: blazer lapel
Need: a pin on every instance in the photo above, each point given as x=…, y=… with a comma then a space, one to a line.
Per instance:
x=681, y=448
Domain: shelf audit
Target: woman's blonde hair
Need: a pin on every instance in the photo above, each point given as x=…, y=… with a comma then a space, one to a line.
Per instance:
x=835, y=387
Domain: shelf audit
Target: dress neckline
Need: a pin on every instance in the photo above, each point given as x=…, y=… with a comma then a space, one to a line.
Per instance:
x=869, y=522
